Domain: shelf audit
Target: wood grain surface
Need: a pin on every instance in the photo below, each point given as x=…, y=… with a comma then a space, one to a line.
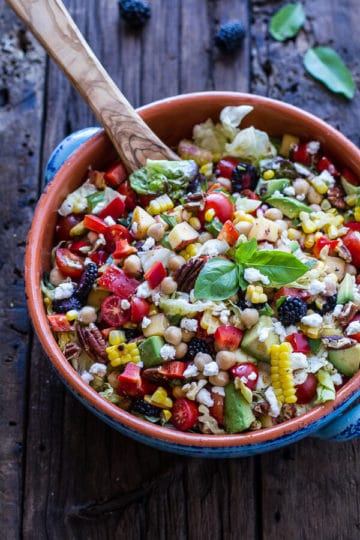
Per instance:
x=63, y=473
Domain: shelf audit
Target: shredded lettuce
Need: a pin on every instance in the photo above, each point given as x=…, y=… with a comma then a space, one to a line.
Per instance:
x=162, y=176
x=251, y=144
x=231, y=118
x=325, y=389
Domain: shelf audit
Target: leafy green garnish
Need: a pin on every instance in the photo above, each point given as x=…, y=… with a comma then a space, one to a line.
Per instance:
x=324, y=64
x=314, y=344
x=169, y=220
x=287, y=21
x=280, y=267
x=218, y=280
x=162, y=176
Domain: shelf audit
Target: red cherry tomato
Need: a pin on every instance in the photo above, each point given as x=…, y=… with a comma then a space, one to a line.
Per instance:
x=226, y=166
x=70, y=264
x=228, y=337
x=291, y=291
x=115, y=175
x=247, y=372
x=217, y=410
x=184, y=414
x=298, y=342
x=112, y=312
x=130, y=195
x=324, y=164
x=139, y=309
x=221, y=204
x=352, y=242
x=113, y=233
x=306, y=391
x=99, y=257
x=353, y=225
x=355, y=336
x=350, y=177
x=173, y=369
x=115, y=280
x=65, y=224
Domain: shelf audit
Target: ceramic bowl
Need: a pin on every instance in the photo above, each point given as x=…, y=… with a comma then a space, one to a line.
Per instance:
x=172, y=119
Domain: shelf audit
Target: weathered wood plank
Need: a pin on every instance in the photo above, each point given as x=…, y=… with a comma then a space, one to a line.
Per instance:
x=311, y=488
x=21, y=94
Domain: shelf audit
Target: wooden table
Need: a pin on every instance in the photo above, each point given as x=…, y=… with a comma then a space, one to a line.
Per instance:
x=63, y=473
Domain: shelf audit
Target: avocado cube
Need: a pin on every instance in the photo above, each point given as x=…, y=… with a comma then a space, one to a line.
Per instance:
x=238, y=414
x=257, y=341
x=150, y=351
x=347, y=361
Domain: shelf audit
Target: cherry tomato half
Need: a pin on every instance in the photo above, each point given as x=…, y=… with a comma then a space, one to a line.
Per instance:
x=247, y=372
x=352, y=242
x=217, y=409
x=226, y=166
x=114, y=233
x=64, y=226
x=139, y=309
x=70, y=264
x=112, y=312
x=184, y=414
x=221, y=204
x=306, y=391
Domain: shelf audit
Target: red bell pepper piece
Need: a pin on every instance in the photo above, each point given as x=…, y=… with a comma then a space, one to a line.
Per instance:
x=155, y=274
x=113, y=233
x=228, y=337
x=59, y=322
x=79, y=245
x=229, y=233
x=99, y=257
x=130, y=195
x=173, y=370
x=298, y=342
x=130, y=381
x=324, y=164
x=353, y=225
x=94, y=223
x=350, y=177
x=115, y=280
x=226, y=166
x=114, y=209
x=123, y=249
x=115, y=175
x=323, y=242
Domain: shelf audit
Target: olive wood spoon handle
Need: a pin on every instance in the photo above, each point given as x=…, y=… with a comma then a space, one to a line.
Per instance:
x=52, y=25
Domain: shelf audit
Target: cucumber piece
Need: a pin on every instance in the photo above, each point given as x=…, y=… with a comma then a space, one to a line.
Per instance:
x=291, y=208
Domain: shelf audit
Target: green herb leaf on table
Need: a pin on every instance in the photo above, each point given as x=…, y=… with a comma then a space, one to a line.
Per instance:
x=324, y=64
x=287, y=22
x=218, y=280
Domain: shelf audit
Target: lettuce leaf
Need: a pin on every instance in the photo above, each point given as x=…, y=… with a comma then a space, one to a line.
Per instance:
x=251, y=144
x=325, y=389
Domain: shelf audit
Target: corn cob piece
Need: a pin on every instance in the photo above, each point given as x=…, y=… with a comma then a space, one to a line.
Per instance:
x=281, y=375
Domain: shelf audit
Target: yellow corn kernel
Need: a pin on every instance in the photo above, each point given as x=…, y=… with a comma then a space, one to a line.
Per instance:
x=357, y=213
x=47, y=301
x=294, y=234
x=319, y=185
x=130, y=325
x=178, y=392
x=72, y=315
x=195, y=223
x=123, y=353
x=240, y=215
x=190, y=251
x=351, y=199
x=153, y=310
x=308, y=226
x=209, y=323
x=116, y=337
x=206, y=169
x=209, y=214
x=160, y=399
x=310, y=331
x=268, y=175
x=165, y=415
x=281, y=375
x=325, y=205
x=332, y=232
x=78, y=229
x=160, y=205
x=309, y=241
x=255, y=294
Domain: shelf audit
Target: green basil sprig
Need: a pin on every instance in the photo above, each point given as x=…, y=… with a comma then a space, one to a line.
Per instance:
x=221, y=278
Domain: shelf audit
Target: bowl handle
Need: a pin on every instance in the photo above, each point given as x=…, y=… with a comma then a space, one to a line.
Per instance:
x=344, y=428
x=64, y=150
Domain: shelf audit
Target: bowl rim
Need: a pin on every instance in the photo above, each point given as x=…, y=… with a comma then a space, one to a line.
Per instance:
x=87, y=393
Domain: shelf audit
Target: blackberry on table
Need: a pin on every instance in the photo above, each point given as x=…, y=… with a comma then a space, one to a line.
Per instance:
x=143, y=407
x=134, y=12
x=230, y=35
x=292, y=310
x=197, y=345
x=324, y=305
x=244, y=176
x=86, y=282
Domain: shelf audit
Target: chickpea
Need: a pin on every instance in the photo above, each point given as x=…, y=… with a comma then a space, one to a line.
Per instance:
x=221, y=379
x=173, y=335
x=187, y=336
x=175, y=261
x=282, y=224
x=243, y=227
x=178, y=392
x=56, y=277
x=350, y=269
x=113, y=379
x=301, y=186
x=181, y=350
x=225, y=359
x=201, y=359
x=132, y=265
x=87, y=315
x=273, y=214
x=156, y=231
x=313, y=196
x=168, y=285
x=249, y=317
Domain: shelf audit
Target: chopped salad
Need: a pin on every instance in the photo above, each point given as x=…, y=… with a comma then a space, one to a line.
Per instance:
x=215, y=294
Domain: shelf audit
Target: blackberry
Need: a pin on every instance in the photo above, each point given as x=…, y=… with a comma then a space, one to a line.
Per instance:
x=292, y=310
x=229, y=36
x=66, y=304
x=134, y=12
x=244, y=176
x=324, y=305
x=143, y=407
x=197, y=345
x=86, y=282
x=131, y=333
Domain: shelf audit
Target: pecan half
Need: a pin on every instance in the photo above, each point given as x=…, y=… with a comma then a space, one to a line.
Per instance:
x=261, y=408
x=347, y=313
x=343, y=252
x=72, y=351
x=338, y=343
x=93, y=343
x=194, y=202
x=186, y=275
x=288, y=410
x=336, y=197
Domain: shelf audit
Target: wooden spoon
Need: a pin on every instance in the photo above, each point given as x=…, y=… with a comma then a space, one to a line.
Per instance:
x=52, y=25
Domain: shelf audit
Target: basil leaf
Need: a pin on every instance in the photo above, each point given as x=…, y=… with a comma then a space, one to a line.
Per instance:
x=280, y=267
x=218, y=280
x=287, y=22
x=245, y=251
x=324, y=64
